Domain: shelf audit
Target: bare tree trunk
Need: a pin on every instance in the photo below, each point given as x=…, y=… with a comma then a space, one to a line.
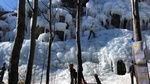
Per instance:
x=15, y=54
x=80, y=75
x=136, y=21
x=50, y=43
x=136, y=27
x=32, y=45
x=137, y=37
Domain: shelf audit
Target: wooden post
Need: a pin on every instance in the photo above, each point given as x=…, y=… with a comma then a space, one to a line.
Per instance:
x=139, y=48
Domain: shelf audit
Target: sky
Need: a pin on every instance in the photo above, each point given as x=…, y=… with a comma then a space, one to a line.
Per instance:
x=109, y=46
x=9, y=5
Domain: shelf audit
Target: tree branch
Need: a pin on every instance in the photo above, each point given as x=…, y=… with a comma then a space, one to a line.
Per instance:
x=43, y=14
x=45, y=4
x=30, y=5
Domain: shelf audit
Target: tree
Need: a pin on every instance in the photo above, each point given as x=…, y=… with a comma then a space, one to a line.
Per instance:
x=32, y=43
x=137, y=37
x=136, y=26
x=50, y=43
x=80, y=69
x=136, y=21
x=15, y=54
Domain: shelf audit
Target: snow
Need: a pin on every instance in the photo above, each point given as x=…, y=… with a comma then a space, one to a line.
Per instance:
x=99, y=55
x=120, y=6
x=11, y=20
x=110, y=45
x=89, y=21
x=68, y=18
x=3, y=24
x=41, y=21
x=9, y=36
x=60, y=26
x=44, y=37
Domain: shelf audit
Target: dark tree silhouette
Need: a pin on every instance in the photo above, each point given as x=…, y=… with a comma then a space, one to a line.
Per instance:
x=32, y=44
x=50, y=43
x=80, y=68
x=15, y=54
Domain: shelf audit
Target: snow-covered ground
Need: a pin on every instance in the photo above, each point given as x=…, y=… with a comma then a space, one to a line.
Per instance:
x=109, y=45
x=99, y=54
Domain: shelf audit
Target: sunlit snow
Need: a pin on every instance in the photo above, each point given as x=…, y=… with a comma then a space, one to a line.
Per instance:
x=99, y=55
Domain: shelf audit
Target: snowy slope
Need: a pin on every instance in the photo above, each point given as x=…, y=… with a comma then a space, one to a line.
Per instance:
x=97, y=53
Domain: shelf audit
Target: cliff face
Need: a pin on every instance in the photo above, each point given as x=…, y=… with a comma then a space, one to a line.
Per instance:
x=99, y=13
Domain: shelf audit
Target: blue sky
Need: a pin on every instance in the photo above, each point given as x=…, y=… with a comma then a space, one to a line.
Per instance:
x=9, y=4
